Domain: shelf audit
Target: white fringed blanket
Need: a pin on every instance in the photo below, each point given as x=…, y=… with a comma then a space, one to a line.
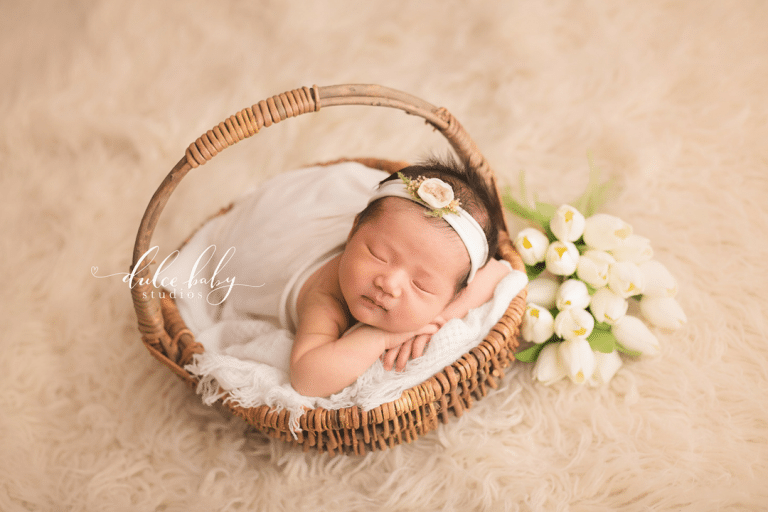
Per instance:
x=254, y=255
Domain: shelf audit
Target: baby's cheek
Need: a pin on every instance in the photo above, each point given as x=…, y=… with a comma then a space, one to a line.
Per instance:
x=425, y=312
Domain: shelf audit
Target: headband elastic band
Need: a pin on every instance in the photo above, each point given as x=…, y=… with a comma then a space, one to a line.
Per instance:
x=462, y=222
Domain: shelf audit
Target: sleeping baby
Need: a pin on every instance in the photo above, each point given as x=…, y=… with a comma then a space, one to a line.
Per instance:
x=418, y=255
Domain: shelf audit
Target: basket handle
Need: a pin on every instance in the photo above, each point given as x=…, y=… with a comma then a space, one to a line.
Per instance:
x=248, y=122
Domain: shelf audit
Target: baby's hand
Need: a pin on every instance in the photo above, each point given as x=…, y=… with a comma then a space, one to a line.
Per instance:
x=412, y=348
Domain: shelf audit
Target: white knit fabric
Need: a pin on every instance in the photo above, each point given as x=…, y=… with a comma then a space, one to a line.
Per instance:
x=247, y=346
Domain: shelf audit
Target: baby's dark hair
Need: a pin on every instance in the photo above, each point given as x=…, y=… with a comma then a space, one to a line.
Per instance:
x=476, y=196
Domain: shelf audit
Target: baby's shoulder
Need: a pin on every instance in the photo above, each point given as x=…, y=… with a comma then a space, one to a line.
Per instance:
x=321, y=298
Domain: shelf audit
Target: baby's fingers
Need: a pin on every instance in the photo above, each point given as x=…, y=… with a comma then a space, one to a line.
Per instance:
x=403, y=356
x=419, y=344
x=428, y=329
x=394, y=354
x=415, y=349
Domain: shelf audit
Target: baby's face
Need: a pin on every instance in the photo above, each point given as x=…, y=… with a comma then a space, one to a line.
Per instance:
x=399, y=271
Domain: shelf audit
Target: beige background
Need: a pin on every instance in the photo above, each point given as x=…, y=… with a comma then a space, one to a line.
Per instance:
x=99, y=99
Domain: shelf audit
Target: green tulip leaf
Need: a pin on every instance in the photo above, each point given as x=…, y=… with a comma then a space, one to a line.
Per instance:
x=535, y=270
x=595, y=194
x=530, y=354
x=625, y=350
x=602, y=326
x=602, y=341
x=539, y=213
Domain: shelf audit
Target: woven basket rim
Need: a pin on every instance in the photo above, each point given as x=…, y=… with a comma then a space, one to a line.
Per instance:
x=344, y=430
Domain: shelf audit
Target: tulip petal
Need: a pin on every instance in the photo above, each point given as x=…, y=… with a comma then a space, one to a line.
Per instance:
x=633, y=334
x=578, y=359
x=605, y=232
x=542, y=291
x=567, y=224
x=562, y=258
x=538, y=324
x=532, y=245
x=549, y=366
x=572, y=294
x=659, y=281
x=664, y=312
x=606, y=366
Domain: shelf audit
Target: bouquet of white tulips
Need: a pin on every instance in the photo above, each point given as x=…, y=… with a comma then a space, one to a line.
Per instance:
x=584, y=271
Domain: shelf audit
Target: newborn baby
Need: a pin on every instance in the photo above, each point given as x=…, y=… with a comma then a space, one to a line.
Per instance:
x=417, y=256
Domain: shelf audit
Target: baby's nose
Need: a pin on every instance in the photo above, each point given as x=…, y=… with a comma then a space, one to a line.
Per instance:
x=389, y=283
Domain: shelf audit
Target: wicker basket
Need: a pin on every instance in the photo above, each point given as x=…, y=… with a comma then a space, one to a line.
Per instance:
x=348, y=430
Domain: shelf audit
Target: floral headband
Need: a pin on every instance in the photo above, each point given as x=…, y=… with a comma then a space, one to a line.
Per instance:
x=437, y=195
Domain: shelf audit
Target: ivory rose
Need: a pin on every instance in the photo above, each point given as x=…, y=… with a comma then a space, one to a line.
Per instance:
x=436, y=193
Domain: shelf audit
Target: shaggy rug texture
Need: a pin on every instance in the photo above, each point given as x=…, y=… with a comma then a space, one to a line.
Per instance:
x=99, y=99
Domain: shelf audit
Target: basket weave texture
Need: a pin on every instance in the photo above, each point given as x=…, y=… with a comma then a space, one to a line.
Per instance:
x=348, y=430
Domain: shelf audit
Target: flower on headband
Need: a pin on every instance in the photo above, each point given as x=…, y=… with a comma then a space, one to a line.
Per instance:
x=432, y=192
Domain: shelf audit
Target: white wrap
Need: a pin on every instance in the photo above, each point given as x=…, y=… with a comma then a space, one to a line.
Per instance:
x=279, y=231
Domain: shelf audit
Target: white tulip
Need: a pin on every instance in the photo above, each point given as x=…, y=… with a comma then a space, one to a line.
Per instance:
x=567, y=224
x=608, y=306
x=625, y=278
x=606, y=366
x=562, y=258
x=664, y=312
x=532, y=245
x=592, y=267
x=538, y=324
x=549, y=367
x=658, y=281
x=634, y=248
x=572, y=294
x=542, y=291
x=578, y=359
x=633, y=334
x=574, y=323
x=605, y=232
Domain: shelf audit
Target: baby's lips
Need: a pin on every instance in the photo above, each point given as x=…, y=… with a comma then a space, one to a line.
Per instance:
x=374, y=302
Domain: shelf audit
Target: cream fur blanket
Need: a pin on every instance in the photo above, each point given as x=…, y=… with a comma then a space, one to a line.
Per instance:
x=99, y=99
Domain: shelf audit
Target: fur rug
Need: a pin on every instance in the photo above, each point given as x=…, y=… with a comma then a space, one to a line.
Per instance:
x=99, y=99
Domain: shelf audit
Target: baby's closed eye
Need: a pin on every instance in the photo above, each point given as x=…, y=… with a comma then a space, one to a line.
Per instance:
x=375, y=255
x=422, y=287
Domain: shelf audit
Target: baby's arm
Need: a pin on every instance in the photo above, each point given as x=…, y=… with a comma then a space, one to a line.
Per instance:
x=323, y=361
x=478, y=292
